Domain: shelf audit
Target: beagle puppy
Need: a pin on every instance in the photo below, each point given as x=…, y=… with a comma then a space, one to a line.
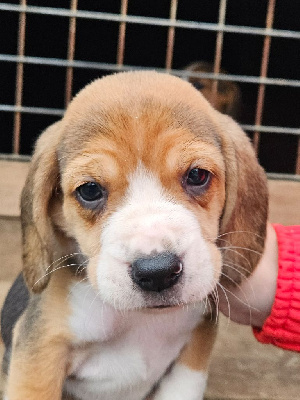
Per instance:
x=228, y=97
x=138, y=204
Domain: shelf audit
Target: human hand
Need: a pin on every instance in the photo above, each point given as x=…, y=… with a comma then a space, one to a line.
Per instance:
x=250, y=303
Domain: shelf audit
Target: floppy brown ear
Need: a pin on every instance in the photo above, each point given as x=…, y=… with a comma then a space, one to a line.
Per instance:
x=243, y=224
x=41, y=186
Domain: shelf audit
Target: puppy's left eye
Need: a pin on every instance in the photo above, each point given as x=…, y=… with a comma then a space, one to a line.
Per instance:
x=196, y=181
x=198, y=177
x=91, y=195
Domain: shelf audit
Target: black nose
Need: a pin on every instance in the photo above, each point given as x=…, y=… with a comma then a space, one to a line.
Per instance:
x=158, y=272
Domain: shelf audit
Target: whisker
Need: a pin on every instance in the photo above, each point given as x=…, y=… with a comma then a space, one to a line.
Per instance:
x=78, y=283
x=231, y=232
x=235, y=269
x=238, y=266
x=246, y=278
x=205, y=304
x=55, y=269
x=241, y=248
x=244, y=294
x=62, y=259
x=211, y=310
x=217, y=301
x=228, y=277
x=227, y=300
x=82, y=267
x=239, y=254
x=49, y=273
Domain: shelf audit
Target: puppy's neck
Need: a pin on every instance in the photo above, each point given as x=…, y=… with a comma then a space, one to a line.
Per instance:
x=92, y=320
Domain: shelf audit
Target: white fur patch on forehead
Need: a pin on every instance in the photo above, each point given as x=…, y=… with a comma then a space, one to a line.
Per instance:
x=142, y=179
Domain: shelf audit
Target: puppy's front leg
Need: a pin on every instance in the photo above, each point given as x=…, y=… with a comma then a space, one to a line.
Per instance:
x=37, y=368
x=37, y=373
x=187, y=378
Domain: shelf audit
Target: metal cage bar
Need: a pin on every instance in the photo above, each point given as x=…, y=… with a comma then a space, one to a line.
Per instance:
x=122, y=34
x=19, y=80
x=113, y=67
x=289, y=34
x=71, y=53
x=171, y=35
x=263, y=73
x=219, y=47
x=172, y=23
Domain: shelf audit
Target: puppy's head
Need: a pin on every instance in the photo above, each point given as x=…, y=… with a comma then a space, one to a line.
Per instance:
x=161, y=193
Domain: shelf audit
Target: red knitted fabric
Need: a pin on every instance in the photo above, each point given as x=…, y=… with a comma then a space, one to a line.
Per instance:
x=282, y=327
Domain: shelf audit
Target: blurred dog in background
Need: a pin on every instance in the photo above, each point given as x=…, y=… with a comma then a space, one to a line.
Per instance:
x=228, y=98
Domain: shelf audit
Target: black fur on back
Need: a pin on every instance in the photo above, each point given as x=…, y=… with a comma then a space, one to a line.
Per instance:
x=14, y=305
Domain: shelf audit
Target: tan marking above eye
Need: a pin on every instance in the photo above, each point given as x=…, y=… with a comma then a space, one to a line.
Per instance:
x=99, y=167
x=165, y=148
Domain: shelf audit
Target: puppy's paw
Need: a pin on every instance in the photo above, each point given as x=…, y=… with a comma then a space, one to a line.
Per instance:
x=182, y=383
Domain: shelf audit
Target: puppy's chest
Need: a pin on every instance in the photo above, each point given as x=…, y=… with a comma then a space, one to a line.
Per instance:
x=117, y=352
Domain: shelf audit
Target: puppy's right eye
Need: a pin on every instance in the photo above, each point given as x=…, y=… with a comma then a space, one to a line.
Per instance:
x=91, y=195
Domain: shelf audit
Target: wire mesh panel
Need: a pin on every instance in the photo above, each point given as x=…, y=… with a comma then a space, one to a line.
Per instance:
x=50, y=49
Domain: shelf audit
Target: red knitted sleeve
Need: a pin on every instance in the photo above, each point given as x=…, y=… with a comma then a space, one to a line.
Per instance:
x=282, y=327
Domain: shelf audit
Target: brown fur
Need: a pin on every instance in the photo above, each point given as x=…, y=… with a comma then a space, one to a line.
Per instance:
x=201, y=342
x=108, y=128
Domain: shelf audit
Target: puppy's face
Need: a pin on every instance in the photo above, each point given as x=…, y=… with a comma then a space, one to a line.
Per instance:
x=143, y=197
x=142, y=170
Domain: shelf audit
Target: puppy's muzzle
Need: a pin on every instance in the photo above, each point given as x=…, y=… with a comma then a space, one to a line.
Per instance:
x=158, y=272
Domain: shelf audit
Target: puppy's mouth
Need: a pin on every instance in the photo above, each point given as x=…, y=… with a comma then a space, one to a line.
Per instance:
x=163, y=306
x=169, y=299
